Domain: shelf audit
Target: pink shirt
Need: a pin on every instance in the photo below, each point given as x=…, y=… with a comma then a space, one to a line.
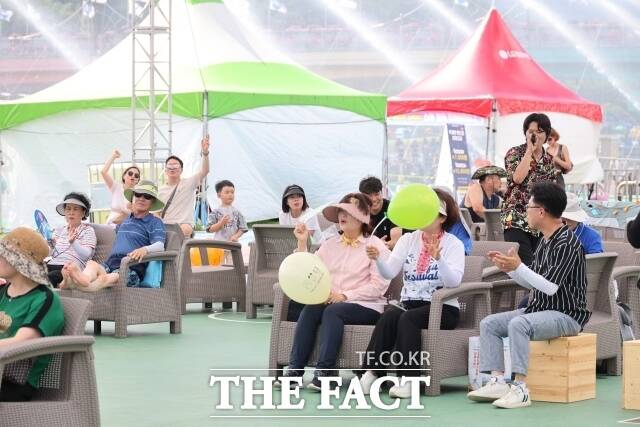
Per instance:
x=353, y=273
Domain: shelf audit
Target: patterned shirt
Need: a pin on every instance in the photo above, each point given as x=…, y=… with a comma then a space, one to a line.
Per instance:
x=514, y=207
x=236, y=222
x=561, y=260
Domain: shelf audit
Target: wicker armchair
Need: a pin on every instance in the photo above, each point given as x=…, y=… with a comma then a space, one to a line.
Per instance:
x=67, y=396
x=273, y=243
x=495, y=232
x=208, y=284
x=132, y=306
x=478, y=229
x=448, y=349
x=626, y=273
x=604, y=321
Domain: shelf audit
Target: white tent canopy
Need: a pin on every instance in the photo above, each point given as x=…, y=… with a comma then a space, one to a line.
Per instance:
x=272, y=123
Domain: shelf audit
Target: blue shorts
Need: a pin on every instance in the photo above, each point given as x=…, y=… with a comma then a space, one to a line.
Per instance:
x=133, y=281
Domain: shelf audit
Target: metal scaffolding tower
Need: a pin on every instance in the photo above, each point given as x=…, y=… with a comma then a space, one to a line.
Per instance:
x=151, y=85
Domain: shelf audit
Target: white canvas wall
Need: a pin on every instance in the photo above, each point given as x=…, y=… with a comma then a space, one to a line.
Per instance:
x=327, y=152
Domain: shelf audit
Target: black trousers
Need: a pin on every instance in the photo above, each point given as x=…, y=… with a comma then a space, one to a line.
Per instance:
x=528, y=243
x=55, y=274
x=402, y=330
x=12, y=392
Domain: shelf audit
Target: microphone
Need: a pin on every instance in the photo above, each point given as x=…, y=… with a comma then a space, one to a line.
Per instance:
x=533, y=139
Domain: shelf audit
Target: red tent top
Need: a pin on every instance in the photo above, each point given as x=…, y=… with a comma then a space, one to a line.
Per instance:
x=491, y=65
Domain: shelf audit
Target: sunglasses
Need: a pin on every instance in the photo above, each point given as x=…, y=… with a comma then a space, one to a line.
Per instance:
x=144, y=196
x=133, y=174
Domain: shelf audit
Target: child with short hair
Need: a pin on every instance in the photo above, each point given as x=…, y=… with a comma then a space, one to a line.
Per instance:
x=226, y=221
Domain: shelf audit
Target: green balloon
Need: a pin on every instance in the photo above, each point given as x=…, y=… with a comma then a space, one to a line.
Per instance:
x=414, y=207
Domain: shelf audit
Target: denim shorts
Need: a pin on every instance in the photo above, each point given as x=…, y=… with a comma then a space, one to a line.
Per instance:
x=133, y=281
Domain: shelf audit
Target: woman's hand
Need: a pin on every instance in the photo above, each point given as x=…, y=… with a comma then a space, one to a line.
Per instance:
x=373, y=252
x=432, y=244
x=335, y=297
x=73, y=234
x=115, y=154
x=301, y=233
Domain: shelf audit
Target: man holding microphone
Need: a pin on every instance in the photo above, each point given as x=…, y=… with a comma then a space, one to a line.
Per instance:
x=526, y=165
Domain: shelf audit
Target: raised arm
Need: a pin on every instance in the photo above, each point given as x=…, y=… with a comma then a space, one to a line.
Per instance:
x=106, y=176
x=204, y=166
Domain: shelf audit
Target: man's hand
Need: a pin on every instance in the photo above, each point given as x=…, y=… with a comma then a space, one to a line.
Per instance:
x=335, y=297
x=204, y=145
x=138, y=254
x=234, y=238
x=505, y=263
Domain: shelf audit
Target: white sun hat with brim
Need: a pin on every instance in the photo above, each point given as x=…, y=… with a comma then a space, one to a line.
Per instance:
x=573, y=211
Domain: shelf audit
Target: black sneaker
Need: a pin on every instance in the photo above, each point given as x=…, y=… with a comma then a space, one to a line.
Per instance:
x=315, y=382
x=291, y=373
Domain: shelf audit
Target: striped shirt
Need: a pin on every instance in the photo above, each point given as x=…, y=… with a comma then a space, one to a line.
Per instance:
x=561, y=260
x=135, y=233
x=64, y=252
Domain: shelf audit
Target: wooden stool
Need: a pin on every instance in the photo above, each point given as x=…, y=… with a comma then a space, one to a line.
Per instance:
x=563, y=369
x=631, y=374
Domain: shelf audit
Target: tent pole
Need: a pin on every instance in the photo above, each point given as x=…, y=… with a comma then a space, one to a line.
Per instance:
x=491, y=131
x=385, y=162
x=203, y=205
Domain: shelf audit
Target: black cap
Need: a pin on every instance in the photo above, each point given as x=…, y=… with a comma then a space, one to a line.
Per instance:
x=291, y=190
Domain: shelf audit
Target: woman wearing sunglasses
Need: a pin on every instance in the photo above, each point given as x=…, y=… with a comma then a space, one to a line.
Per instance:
x=120, y=207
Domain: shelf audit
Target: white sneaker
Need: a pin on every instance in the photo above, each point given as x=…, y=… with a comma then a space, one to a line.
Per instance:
x=518, y=397
x=489, y=392
x=366, y=380
x=401, y=391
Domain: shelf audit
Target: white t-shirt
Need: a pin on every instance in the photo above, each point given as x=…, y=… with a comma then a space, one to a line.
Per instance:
x=118, y=202
x=182, y=205
x=444, y=273
x=311, y=222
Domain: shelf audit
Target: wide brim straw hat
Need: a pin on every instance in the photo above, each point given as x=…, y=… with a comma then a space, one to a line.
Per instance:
x=25, y=250
x=145, y=187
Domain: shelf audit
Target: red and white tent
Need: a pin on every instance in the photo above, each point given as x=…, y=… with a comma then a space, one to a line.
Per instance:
x=492, y=76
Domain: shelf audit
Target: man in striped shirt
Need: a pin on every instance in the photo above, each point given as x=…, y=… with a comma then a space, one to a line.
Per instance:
x=557, y=306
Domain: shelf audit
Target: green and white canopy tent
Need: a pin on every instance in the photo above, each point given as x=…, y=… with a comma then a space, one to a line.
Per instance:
x=272, y=122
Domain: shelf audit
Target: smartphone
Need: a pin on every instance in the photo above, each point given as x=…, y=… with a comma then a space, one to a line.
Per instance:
x=398, y=304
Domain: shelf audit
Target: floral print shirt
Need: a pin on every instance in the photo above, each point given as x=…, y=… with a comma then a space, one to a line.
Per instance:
x=514, y=207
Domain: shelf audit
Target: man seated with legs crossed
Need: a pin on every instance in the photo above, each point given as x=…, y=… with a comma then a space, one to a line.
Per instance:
x=557, y=305
x=138, y=235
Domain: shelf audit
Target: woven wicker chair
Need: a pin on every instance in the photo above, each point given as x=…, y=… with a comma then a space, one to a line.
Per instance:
x=478, y=229
x=626, y=273
x=273, y=243
x=604, y=321
x=448, y=349
x=208, y=284
x=491, y=273
x=494, y=232
x=67, y=396
x=611, y=234
x=132, y=306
